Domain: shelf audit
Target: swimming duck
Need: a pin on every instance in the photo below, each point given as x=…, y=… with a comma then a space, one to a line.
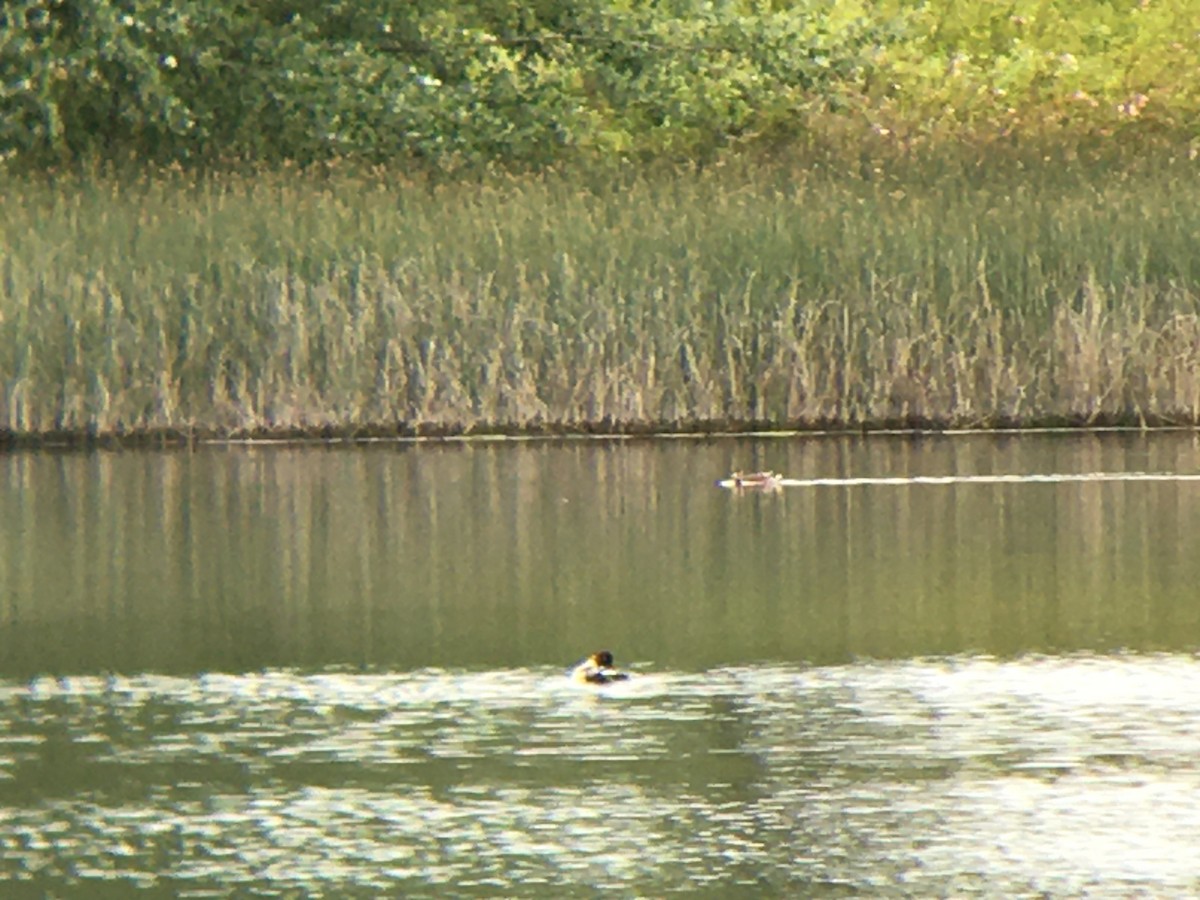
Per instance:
x=766, y=481
x=598, y=669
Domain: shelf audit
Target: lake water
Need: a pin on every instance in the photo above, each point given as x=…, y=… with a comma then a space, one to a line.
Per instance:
x=338, y=672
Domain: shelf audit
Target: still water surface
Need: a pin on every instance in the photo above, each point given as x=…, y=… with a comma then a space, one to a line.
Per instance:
x=303, y=672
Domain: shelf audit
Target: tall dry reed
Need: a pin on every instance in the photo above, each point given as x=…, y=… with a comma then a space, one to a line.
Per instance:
x=951, y=291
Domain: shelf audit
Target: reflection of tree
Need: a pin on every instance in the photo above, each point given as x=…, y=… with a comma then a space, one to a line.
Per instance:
x=510, y=554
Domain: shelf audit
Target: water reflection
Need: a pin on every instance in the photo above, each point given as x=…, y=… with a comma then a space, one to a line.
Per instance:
x=233, y=559
x=1032, y=777
x=296, y=672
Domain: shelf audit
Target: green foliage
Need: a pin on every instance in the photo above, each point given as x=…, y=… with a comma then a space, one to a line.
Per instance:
x=529, y=84
x=1041, y=66
x=494, y=80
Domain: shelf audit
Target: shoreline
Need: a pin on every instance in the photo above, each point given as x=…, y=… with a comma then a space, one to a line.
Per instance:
x=178, y=440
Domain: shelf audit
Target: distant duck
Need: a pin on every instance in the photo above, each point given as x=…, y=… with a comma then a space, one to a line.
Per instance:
x=598, y=669
x=767, y=481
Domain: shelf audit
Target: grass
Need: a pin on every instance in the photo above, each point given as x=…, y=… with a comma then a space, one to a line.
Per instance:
x=950, y=290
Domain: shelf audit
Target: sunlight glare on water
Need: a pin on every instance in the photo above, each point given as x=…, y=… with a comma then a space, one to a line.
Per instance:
x=955, y=776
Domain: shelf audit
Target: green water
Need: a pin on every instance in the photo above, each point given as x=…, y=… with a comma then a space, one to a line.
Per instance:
x=339, y=672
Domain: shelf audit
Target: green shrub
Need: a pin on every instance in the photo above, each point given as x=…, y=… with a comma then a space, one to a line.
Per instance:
x=378, y=80
x=1041, y=67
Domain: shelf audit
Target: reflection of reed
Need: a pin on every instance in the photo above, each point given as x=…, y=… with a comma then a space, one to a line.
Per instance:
x=513, y=554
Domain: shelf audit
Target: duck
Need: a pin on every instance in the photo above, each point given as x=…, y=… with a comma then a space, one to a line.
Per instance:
x=766, y=481
x=598, y=669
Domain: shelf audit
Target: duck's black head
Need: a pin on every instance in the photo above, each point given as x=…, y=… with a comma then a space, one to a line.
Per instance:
x=603, y=658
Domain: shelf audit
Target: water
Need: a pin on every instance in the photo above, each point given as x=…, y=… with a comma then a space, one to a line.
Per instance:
x=283, y=672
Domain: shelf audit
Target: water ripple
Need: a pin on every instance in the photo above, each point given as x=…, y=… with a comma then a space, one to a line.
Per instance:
x=1041, y=776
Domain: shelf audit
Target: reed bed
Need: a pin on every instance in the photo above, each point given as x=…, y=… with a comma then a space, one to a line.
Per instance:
x=772, y=294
